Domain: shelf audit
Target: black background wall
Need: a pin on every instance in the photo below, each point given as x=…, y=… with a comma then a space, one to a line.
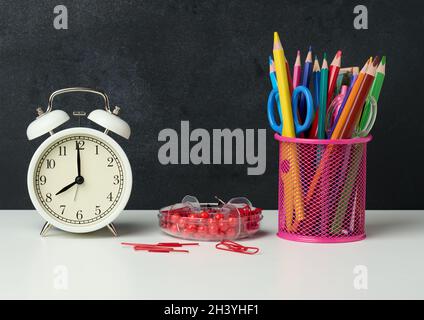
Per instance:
x=206, y=62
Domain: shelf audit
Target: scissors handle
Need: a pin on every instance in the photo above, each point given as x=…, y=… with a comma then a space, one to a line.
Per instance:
x=365, y=125
x=309, y=109
x=272, y=98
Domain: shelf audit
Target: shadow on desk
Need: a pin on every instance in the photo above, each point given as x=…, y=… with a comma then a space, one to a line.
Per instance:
x=394, y=224
x=123, y=229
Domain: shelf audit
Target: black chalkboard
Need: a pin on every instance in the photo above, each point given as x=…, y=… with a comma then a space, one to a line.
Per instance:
x=205, y=62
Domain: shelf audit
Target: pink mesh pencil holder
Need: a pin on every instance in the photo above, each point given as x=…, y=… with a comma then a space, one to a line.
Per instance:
x=322, y=189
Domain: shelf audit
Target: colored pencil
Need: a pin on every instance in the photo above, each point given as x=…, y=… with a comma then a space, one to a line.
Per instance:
x=306, y=78
x=316, y=77
x=274, y=82
x=352, y=112
x=288, y=124
x=353, y=171
x=289, y=77
x=350, y=180
x=352, y=83
x=272, y=74
x=313, y=132
x=292, y=187
x=374, y=92
x=283, y=88
x=352, y=95
x=297, y=71
x=323, y=99
x=332, y=77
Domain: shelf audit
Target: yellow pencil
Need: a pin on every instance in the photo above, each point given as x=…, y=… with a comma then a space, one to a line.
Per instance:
x=292, y=188
x=283, y=88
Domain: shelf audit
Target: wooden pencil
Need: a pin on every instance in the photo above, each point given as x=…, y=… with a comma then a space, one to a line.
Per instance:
x=316, y=76
x=289, y=77
x=323, y=99
x=318, y=173
x=297, y=71
x=352, y=111
x=306, y=78
x=333, y=74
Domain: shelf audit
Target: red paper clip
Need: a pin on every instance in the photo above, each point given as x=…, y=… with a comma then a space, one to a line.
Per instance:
x=158, y=249
x=232, y=246
x=161, y=244
x=176, y=244
x=163, y=247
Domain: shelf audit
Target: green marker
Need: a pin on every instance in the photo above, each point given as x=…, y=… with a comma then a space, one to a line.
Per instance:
x=374, y=92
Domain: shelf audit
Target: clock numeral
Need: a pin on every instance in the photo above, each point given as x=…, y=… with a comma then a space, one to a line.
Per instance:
x=97, y=211
x=50, y=163
x=43, y=180
x=48, y=197
x=109, y=197
x=79, y=215
x=97, y=150
x=63, y=207
x=110, y=160
x=115, y=179
x=62, y=151
x=81, y=144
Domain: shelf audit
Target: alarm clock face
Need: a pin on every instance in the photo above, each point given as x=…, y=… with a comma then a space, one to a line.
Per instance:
x=79, y=180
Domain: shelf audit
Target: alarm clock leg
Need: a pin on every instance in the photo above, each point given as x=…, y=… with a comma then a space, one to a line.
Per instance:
x=45, y=229
x=112, y=229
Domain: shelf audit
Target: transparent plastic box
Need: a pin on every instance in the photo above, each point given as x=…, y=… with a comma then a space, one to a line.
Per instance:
x=210, y=221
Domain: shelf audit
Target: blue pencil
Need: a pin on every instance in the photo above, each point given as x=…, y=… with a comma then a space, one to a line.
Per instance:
x=316, y=76
x=272, y=74
x=273, y=78
x=306, y=78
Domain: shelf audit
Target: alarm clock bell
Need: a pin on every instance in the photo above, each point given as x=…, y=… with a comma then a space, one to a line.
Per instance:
x=47, y=121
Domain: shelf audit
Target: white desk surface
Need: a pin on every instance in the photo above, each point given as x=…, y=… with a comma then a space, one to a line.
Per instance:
x=98, y=267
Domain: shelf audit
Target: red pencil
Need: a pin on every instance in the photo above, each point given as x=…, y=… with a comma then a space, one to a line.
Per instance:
x=332, y=76
x=289, y=77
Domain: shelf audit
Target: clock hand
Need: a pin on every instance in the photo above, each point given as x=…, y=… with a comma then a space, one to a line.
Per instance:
x=66, y=188
x=78, y=180
x=76, y=192
x=78, y=159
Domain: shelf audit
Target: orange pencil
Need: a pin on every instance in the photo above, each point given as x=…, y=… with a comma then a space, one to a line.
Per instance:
x=333, y=74
x=327, y=153
x=351, y=113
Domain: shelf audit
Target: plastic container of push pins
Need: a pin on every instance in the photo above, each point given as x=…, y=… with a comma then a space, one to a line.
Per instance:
x=193, y=220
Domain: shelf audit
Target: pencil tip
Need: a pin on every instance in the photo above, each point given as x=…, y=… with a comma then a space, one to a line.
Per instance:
x=298, y=52
x=325, y=56
x=339, y=54
x=383, y=60
x=270, y=60
x=277, y=42
x=310, y=48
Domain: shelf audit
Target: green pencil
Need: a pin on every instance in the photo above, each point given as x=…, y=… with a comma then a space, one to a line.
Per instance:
x=374, y=92
x=323, y=98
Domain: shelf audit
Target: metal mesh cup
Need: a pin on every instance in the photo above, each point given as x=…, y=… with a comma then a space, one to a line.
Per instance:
x=321, y=195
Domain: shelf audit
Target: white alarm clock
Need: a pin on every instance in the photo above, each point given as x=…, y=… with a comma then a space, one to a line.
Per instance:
x=79, y=179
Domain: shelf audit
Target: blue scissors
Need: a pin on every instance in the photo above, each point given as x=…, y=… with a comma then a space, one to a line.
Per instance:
x=273, y=100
